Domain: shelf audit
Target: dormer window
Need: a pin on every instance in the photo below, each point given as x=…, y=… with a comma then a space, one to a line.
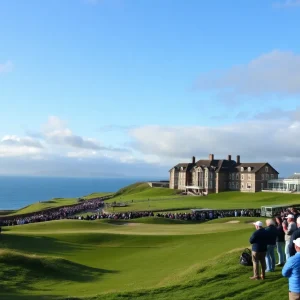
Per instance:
x=242, y=169
x=249, y=169
x=181, y=169
x=267, y=169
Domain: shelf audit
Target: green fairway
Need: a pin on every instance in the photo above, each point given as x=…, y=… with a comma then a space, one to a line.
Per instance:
x=96, y=257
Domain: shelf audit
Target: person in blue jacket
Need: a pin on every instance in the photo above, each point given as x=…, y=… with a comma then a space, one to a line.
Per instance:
x=291, y=270
x=259, y=241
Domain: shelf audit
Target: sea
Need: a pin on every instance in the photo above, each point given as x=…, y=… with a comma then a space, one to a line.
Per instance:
x=18, y=192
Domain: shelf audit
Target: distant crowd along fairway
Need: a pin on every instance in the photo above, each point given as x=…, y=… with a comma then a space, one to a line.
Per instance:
x=160, y=259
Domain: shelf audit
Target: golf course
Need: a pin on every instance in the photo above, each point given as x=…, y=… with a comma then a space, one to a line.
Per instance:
x=146, y=258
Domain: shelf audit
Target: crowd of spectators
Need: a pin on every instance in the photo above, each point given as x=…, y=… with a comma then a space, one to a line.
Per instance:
x=116, y=216
x=55, y=214
x=210, y=214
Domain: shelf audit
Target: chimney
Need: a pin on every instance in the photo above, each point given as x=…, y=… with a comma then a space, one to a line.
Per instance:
x=193, y=159
x=211, y=157
x=229, y=157
x=238, y=159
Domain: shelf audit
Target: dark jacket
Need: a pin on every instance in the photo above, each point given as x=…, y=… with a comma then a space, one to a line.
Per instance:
x=281, y=234
x=259, y=240
x=272, y=234
x=295, y=235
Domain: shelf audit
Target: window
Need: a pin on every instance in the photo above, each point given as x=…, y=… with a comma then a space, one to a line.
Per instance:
x=211, y=175
x=249, y=176
x=242, y=169
x=229, y=175
x=242, y=177
x=249, y=185
x=237, y=186
x=267, y=176
x=210, y=184
x=267, y=169
x=272, y=176
x=206, y=174
x=249, y=169
x=262, y=176
x=237, y=176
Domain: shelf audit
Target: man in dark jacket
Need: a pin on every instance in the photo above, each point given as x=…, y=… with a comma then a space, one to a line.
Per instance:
x=259, y=241
x=295, y=235
x=272, y=236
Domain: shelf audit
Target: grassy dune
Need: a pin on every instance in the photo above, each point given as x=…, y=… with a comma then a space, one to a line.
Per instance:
x=96, y=258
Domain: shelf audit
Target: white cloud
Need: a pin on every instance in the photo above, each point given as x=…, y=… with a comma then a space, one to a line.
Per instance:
x=287, y=4
x=56, y=132
x=274, y=73
x=256, y=140
x=12, y=146
x=6, y=67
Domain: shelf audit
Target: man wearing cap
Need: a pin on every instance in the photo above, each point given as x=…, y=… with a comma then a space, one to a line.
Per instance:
x=294, y=236
x=259, y=241
x=292, y=270
x=289, y=229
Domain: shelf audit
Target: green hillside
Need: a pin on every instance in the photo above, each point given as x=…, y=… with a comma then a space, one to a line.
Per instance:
x=143, y=191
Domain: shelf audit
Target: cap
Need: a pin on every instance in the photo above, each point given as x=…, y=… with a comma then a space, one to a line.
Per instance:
x=297, y=242
x=258, y=223
x=290, y=216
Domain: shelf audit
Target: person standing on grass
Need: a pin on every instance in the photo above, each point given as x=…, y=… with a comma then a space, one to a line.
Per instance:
x=291, y=270
x=295, y=235
x=280, y=242
x=259, y=241
x=272, y=236
x=288, y=229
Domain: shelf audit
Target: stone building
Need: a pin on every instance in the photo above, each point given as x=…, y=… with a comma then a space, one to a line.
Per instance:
x=217, y=175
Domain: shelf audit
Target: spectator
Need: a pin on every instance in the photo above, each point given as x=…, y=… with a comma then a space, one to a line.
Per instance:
x=259, y=240
x=294, y=236
x=272, y=236
x=291, y=270
x=289, y=229
x=280, y=242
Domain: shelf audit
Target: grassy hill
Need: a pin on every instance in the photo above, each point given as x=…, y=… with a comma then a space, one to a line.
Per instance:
x=126, y=260
x=143, y=191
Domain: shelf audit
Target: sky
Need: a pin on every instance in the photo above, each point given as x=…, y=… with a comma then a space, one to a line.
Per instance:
x=127, y=88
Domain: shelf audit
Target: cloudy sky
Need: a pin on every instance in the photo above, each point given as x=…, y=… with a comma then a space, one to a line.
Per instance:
x=131, y=87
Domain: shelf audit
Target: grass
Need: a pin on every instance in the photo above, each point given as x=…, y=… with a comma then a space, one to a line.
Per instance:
x=226, y=200
x=124, y=260
x=146, y=258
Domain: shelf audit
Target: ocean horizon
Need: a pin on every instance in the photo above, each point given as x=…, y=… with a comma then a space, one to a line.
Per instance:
x=19, y=191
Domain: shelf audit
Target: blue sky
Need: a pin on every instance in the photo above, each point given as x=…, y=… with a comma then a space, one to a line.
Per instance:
x=137, y=85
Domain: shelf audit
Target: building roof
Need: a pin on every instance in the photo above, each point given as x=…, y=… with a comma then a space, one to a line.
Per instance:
x=294, y=176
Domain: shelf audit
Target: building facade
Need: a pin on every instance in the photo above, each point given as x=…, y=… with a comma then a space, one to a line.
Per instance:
x=218, y=175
